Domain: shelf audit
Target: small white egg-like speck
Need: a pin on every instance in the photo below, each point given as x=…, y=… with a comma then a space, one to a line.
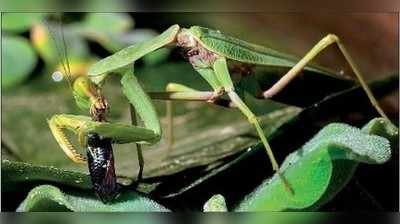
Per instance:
x=57, y=76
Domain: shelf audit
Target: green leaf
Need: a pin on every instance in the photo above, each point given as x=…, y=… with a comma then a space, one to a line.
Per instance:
x=50, y=198
x=380, y=126
x=108, y=22
x=20, y=22
x=319, y=170
x=18, y=175
x=48, y=41
x=19, y=59
x=105, y=28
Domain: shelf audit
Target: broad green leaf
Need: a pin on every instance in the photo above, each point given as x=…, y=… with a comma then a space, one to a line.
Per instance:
x=108, y=22
x=19, y=60
x=381, y=127
x=126, y=218
x=105, y=28
x=50, y=198
x=281, y=218
x=20, y=22
x=18, y=175
x=318, y=170
x=130, y=54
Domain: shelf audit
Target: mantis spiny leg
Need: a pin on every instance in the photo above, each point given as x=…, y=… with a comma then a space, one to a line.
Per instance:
x=183, y=92
x=140, y=103
x=138, y=146
x=179, y=92
x=221, y=72
x=170, y=121
x=120, y=133
x=57, y=124
x=320, y=46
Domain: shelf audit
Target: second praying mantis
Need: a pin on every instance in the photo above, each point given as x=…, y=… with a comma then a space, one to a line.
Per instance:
x=210, y=52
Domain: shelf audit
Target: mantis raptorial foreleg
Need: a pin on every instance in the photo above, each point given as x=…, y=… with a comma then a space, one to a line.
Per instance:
x=57, y=124
x=320, y=46
x=119, y=133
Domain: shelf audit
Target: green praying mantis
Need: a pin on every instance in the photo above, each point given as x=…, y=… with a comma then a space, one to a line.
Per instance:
x=210, y=52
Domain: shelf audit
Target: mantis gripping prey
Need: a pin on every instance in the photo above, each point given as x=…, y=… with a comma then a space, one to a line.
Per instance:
x=210, y=52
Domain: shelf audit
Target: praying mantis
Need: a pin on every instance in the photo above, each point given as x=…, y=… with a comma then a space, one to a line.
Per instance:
x=210, y=52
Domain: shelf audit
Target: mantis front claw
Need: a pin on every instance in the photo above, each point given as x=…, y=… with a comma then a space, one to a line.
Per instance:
x=57, y=125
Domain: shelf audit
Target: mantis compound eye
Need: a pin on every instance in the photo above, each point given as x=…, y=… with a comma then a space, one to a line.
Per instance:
x=84, y=88
x=185, y=39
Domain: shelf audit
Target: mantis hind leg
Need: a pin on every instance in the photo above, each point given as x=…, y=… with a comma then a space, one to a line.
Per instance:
x=176, y=91
x=320, y=46
x=170, y=125
x=180, y=92
x=221, y=72
x=138, y=147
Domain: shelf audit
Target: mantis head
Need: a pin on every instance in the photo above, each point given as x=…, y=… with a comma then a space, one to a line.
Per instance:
x=197, y=54
x=186, y=39
x=89, y=96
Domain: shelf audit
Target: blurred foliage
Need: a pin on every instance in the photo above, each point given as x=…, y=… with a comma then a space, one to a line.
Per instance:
x=61, y=45
x=15, y=70
x=20, y=22
x=58, y=6
x=86, y=218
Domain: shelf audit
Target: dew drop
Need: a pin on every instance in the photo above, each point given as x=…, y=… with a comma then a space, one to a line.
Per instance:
x=57, y=76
